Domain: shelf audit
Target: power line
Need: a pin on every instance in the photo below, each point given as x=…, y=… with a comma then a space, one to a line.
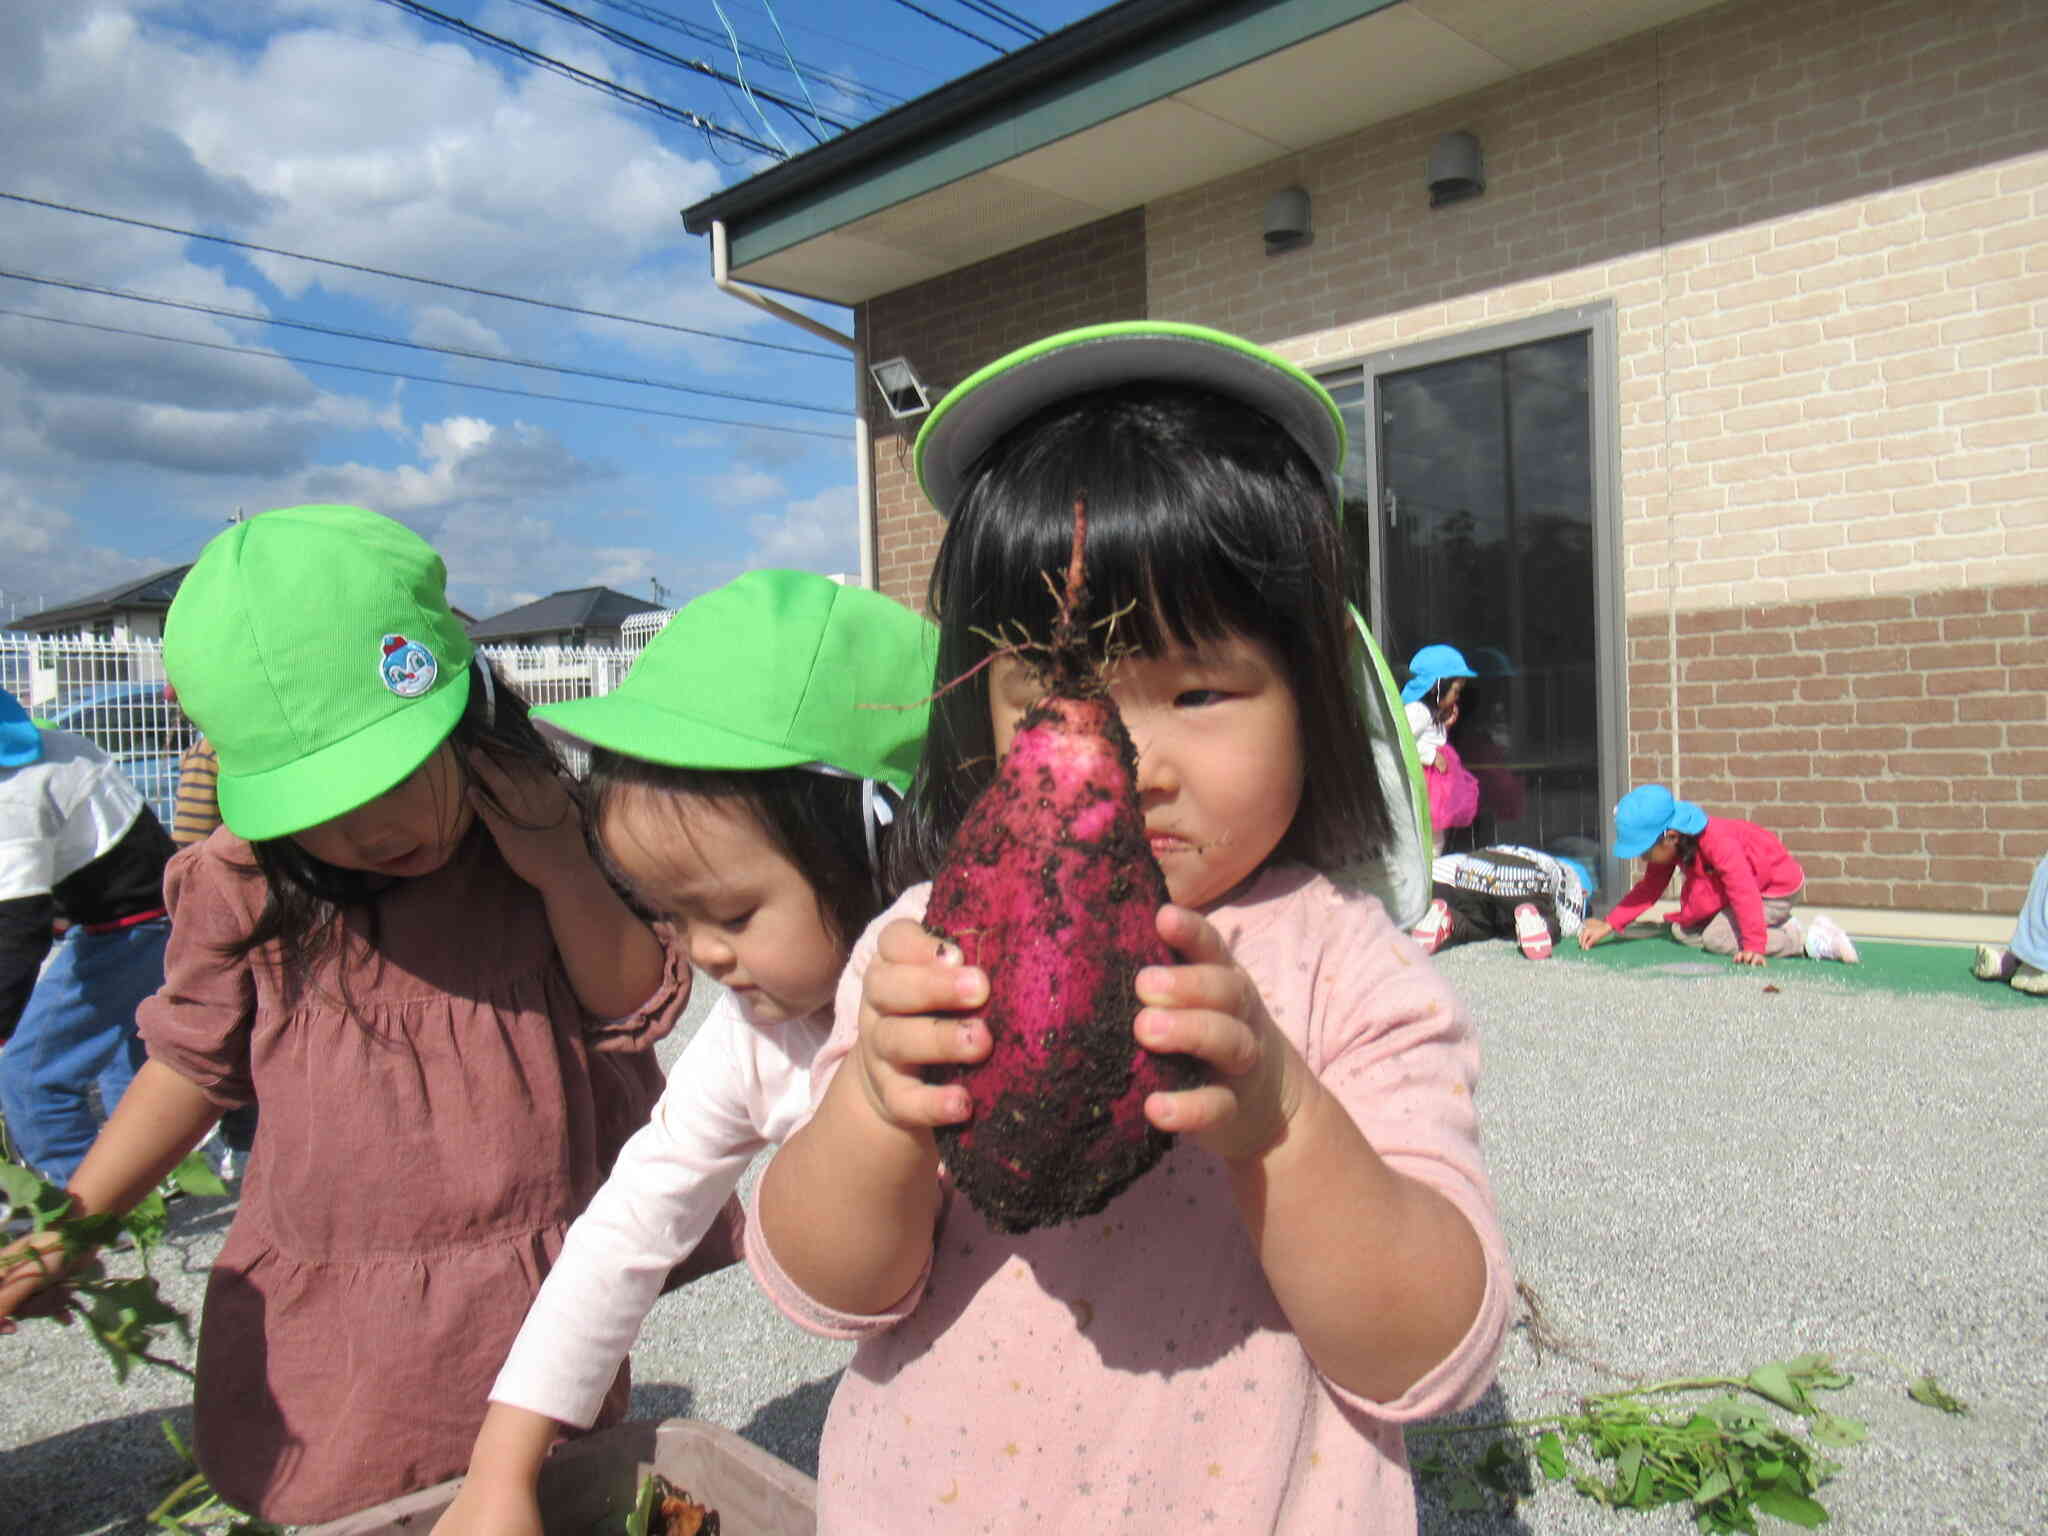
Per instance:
x=1030, y=29
x=611, y=88
x=662, y=56
x=407, y=277
x=844, y=84
x=417, y=346
x=953, y=26
x=421, y=378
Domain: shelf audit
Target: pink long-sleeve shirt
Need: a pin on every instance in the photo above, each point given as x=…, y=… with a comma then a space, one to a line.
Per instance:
x=1132, y=1371
x=1737, y=865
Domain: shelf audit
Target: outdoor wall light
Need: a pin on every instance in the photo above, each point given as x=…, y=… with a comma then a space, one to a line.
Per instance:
x=902, y=391
x=1455, y=170
x=1287, y=222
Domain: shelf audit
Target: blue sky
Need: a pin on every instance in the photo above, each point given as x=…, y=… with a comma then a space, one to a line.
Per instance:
x=357, y=131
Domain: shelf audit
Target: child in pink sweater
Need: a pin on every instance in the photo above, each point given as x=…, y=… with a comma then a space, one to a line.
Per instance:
x=1234, y=1343
x=1740, y=882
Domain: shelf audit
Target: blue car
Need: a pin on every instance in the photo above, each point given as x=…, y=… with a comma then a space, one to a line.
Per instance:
x=136, y=726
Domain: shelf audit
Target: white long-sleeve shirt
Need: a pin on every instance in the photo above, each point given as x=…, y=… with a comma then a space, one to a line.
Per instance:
x=735, y=1090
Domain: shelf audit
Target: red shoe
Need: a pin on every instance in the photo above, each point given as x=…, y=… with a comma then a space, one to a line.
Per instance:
x=1531, y=932
x=1434, y=928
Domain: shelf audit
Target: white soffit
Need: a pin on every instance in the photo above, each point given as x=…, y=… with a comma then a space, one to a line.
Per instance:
x=1372, y=70
x=1376, y=69
x=1529, y=36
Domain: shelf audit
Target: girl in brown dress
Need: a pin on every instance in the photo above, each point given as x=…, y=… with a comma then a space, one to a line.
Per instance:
x=400, y=947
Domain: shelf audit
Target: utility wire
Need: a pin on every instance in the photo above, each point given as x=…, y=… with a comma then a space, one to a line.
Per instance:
x=1005, y=18
x=421, y=378
x=662, y=56
x=745, y=89
x=611, y=88
x=845, y=84
x=953, y=26
x=776, y=22
x=431, y=282
x=419, y=346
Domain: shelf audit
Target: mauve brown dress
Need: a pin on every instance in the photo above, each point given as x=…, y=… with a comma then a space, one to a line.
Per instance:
x=415, y=1167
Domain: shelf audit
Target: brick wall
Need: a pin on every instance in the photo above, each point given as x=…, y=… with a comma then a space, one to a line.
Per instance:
x=953, y=325
x=1823, y=228
x=1899, y=744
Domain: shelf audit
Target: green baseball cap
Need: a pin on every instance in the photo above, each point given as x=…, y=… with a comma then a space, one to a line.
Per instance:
x=985, y=405
x=776, y=669
x=315, y=648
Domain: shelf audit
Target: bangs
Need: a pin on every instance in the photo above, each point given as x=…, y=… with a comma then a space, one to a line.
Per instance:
x=1186, y=541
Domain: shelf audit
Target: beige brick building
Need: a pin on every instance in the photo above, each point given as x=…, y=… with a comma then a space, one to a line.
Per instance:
x=1718, y=421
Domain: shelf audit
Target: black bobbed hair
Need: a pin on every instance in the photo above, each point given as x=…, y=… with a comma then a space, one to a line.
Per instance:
x=1204, y=520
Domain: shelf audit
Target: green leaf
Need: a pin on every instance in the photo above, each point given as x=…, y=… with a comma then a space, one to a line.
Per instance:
x=1831, y=1429
x=1793, y=1507
x=1927, y=1392
x=1466, y=1494
x=195, y=1176
x=1550, y=1455
x=1774, y=1382
x=642, y=1518
x=1717, y=1483
x=18, y=1184
x=1627, y=1467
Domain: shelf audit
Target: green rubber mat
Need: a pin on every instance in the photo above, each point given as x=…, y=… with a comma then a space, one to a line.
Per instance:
x=1884, y=967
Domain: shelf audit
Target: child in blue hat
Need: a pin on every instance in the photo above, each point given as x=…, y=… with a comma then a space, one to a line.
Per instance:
x=1740, y=883
x=1437, y=675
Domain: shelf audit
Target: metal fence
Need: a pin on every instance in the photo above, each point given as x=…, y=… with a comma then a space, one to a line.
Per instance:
x=113, y=692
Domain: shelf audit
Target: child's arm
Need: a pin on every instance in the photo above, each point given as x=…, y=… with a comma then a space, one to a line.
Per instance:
x=501, y=1494
x=848, y=1204
x=1380, y=1275
x=160, y=1118
x=613, y=959
x=1639, y=899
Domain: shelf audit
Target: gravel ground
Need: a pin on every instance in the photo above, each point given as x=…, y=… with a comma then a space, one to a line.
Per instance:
x=1697, y=1176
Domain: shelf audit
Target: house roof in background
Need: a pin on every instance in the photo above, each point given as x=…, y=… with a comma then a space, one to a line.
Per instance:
x=145, y=592
x=1135, y=103
x=576, y=608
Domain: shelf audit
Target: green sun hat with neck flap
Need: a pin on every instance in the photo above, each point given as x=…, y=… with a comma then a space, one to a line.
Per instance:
x=776, y=669
x=316, y=649
x=988, y=403
x=977, y=412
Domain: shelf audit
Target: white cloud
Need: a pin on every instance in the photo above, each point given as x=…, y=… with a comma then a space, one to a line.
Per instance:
x=50, y=560
x=820, y=533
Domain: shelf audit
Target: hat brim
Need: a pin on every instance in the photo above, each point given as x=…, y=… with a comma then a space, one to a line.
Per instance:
x=348, y=773
x=980, y=409
x=20, y=743
x=1636, y=847
x=658, y=735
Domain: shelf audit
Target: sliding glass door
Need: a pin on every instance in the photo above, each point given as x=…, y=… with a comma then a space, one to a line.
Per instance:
x=1478, y=495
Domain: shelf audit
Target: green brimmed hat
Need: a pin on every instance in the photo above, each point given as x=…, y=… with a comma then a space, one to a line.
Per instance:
x=980, y=409
x=315, y=648
x=777, y=669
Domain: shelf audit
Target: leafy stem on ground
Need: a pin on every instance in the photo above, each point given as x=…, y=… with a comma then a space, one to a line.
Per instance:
x=194, y=1506
x=125, y=1317
x=1643, y=1447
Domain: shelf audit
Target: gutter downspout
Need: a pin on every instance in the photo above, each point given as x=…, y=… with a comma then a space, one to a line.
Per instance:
x=863, y=476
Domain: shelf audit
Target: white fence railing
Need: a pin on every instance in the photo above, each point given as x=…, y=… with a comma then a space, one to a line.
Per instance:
x=113, y=692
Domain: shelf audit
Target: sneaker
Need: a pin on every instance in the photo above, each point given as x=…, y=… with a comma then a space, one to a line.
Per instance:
x=1435, y=928
x=1531, y=932
x=1825, y=940
x=1994, y=963
x=2030, y=979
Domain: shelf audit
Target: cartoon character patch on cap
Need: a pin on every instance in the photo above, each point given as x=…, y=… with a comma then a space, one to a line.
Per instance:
x=407, y=667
